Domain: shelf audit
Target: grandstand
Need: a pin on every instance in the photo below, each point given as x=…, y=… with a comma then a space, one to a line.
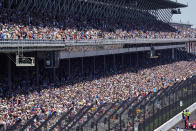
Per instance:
x=93, y=64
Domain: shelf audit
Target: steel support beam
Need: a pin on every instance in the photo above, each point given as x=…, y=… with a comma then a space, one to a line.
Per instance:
x=9, y=73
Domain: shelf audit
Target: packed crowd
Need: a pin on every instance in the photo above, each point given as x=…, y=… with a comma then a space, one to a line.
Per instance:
x=23, y=102
x=43, y=26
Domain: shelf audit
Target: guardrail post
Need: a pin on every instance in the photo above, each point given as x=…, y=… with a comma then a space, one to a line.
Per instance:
x=153, y=114
x=162, y=110
x=158, y=116
x=144, y=125
x=120, y=122
x=192, y=92
x=109, y=125
x=133, y=121
x=169, y=106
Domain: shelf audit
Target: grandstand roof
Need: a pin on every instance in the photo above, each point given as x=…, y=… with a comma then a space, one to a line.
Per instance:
x=157, y=4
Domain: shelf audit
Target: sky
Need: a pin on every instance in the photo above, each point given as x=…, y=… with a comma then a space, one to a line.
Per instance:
x=188, y=14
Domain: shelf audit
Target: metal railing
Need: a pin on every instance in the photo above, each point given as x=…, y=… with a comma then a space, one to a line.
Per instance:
x=62, y=43
x=169, y=102
x=153, y=109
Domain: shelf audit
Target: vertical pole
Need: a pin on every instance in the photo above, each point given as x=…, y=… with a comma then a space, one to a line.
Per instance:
x=192, y=95
x=54, y=74
x=120, y=123
x=194, y=47
x=173, y=105
x=82, y=67
x=173, y=57
x=94, y=66
x=9, y=74
x=122, y=60
x=137, y=58
x=109, y=125
x=83, y=50
x=69, y=66
x=153, y=115
x=114, y=58
x=176, y=94
x=130, y=59
x=189, y=93
x=104, y=64
x=37, y=71
x=158, y=116
x=96, y=127
x=144, y=117
x=169, y=105
x=189, y=47
x=133, y=122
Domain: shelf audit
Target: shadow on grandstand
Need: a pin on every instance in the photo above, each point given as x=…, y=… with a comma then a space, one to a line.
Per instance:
x=143, y=62
x=143, y=21
x=140, y=25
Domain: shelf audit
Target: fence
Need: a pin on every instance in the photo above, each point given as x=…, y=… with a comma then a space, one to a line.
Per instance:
x=172, y=101
x=62, y=43
x=143, y=113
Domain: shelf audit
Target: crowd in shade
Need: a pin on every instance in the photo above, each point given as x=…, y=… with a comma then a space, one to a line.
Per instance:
x=43, y=26
x=24, y=101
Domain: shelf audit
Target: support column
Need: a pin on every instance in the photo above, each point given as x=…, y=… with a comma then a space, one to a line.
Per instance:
x=9, y=73
x=37, y=72
x=69, y=66
x=173, y=55
x=54, y=74
x=137, y=59
x=114, y=60
x=82, y=66
x=104, y=64
x=189, y=47
x=94, y=67
x=122, y=60
x=130, y=59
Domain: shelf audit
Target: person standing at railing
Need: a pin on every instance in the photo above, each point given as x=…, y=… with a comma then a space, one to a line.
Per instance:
x=186, y=122
x=183, y=115
x=187, y=114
